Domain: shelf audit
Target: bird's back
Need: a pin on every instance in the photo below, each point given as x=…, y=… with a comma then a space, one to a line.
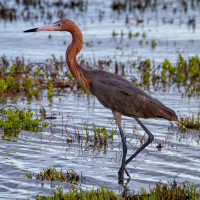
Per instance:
x=122, y=96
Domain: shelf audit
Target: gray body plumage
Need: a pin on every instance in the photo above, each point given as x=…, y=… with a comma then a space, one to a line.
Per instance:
x=120, y=95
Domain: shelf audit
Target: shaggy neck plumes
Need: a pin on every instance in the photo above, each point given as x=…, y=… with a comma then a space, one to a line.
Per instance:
x=74, y=48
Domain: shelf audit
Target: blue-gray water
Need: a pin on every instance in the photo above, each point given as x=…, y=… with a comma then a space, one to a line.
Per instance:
x=30, y=152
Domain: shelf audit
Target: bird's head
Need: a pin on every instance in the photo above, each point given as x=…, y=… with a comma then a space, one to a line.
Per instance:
x=61, y=25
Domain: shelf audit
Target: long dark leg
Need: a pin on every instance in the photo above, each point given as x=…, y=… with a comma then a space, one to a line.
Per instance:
x=124, y=147
x=150, y=139
x=117, y=117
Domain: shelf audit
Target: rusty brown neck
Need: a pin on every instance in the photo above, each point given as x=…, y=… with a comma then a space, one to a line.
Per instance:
x=80, y=74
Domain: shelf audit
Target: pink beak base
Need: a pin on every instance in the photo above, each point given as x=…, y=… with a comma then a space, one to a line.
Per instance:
x=51, y=27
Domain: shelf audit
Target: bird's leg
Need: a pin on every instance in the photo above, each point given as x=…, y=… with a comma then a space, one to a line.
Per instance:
x=121, y=170
x=117, y=117
x=150, y=139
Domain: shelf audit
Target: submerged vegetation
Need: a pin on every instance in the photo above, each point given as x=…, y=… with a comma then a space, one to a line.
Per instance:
x=160, y=191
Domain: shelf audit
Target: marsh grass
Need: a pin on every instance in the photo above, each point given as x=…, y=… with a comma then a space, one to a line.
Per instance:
x=185, y=74
x=51, y=174
x=172, y=191
x=89, y=135
x=192, y=122
x=28, y=79
x=97, y=135
x=20, y=77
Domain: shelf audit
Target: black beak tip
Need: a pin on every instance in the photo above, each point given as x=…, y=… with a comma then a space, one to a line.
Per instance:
x=31, y=30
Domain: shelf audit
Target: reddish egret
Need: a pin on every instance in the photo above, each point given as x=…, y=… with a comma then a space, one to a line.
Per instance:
x=113, y=91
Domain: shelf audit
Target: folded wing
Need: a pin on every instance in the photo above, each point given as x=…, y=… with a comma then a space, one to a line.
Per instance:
x=122, y=96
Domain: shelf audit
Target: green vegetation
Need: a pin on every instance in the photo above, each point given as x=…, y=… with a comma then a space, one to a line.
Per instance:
x=50, y=88
x=51, y=174
x=184, y=74
x=90, y=135
x=88, y=44
x=192, y=122
x=159, y=192
x=144, y=35
x=97, y=135
x=145, y=67
x=130, y=35
x=153, y=44
x=122, y=33
x=29, y=175
x=114, y=34
x=140, y=42
x=14, y=120
x=3, y=86
x=18, y=77
x=136, y=34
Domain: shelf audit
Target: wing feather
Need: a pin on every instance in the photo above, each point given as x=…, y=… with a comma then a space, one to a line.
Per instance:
x=122, y=96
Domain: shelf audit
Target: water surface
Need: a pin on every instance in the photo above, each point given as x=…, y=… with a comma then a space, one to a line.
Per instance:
x=30, y=152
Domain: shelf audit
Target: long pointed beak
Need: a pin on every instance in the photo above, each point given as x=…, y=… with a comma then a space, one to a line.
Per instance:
x=31, y=30
x=51, y=27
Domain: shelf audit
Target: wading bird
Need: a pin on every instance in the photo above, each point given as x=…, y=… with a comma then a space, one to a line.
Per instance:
x=112, y=91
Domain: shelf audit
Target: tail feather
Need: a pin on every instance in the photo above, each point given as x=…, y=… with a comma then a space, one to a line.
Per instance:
x=164, y=112
x=169, y=114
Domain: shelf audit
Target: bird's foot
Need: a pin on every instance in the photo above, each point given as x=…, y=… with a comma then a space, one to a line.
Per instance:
x=121, y=175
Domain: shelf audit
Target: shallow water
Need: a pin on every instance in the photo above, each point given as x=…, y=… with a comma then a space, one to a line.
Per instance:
x=30, y=152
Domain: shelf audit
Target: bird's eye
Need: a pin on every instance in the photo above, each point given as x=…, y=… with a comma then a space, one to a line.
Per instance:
x=59, y=24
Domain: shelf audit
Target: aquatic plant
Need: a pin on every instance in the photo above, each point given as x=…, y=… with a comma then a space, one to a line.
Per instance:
x=14, y=120
x=3, y=86
x=50, y=88
x=122, y=33
x=21, y=77
x=144, y=35
x=130, y=35
x=153, y=44
x=88, y=44
x=114, y=34
x=51, y=174
x=29, y=175
x=175, y=191
x=140, y=42
x=89, y=135
x=100, y=135
x=185, y=74
x=26, y=78
x=10, y=83
x=136, y=34
x=192, y=122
